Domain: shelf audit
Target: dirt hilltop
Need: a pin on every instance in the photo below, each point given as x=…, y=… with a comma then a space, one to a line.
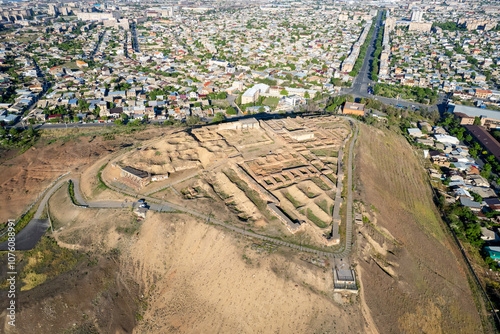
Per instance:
x=177, y=274
x=173, y=273
x=25, y=176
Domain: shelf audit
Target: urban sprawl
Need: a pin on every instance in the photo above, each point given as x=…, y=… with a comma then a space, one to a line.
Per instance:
x=200, y=61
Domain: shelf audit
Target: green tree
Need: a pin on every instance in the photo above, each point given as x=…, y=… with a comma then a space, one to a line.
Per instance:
x=192, y=120
x=83, y=105
x=284, y=92
x=219, y=117
x=477, y=121
x=231, y=111
x=222, y=95
x=487, y=167
x=31, y=132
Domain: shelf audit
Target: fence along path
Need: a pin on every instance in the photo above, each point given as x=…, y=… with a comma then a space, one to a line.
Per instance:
x=344, y=253
x=341, y=254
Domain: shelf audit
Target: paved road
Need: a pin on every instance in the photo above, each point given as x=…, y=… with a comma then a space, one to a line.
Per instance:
x=78, y=196
x=113, y=204
x=340, y=176
x=47, y=196
x=98, y=45
x=135, y=42
x=348, y=235
x=232, y=102
x=398, y=102
x=360, y=83
x=338, y=195
x=29, y=236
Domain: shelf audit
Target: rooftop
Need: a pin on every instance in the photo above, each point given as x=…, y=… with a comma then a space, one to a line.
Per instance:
x=474, y=112
x=354, y=106
x=485, y=139
x=137, y=172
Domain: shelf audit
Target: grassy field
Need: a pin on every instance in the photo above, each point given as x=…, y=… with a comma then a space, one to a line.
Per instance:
x=44, y=262
x=320, y=183
x=324, y=206
x=312, y=217
x=271, y=102
x=292, y=200
x=326, y=152
x=71, y=64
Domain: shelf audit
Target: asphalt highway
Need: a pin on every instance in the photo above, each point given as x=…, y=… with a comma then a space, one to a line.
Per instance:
x=361, y=83
x=363, y=79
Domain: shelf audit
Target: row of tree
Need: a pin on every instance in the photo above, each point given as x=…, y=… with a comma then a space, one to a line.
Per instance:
x=362, y=52
x=376, y=54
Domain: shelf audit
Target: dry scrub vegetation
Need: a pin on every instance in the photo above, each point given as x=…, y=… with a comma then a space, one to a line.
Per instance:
x=414, y=279
x=25, y=176
x=176, y=274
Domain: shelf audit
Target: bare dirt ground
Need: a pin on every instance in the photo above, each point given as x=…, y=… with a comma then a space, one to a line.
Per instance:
x=25, y=176
x=203, y=280
x=96, y=299
x=81, y=300
x=173, y=274
x=413, y=278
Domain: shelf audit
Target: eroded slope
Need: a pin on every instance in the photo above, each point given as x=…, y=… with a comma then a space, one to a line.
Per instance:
x=413, y=279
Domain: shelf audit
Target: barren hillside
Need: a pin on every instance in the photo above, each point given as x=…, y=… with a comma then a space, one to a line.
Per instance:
x=25, y=176
x=172, y=273
x=413, y=278
x=180, y=275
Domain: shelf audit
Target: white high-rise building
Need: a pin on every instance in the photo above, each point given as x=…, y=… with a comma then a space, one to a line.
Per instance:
x=417, y=16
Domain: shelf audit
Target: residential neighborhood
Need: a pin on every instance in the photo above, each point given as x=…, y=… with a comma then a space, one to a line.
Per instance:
x=100, y=63
x=270, y=166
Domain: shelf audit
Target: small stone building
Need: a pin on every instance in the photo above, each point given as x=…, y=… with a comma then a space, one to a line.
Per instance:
x=139, y=177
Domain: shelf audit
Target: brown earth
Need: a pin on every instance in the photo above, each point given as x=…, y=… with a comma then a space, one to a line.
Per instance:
x=96, y=299
x=413, y=278
x=83, y=299
x=200, y=279
x=25, y=176
x=176, y=274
